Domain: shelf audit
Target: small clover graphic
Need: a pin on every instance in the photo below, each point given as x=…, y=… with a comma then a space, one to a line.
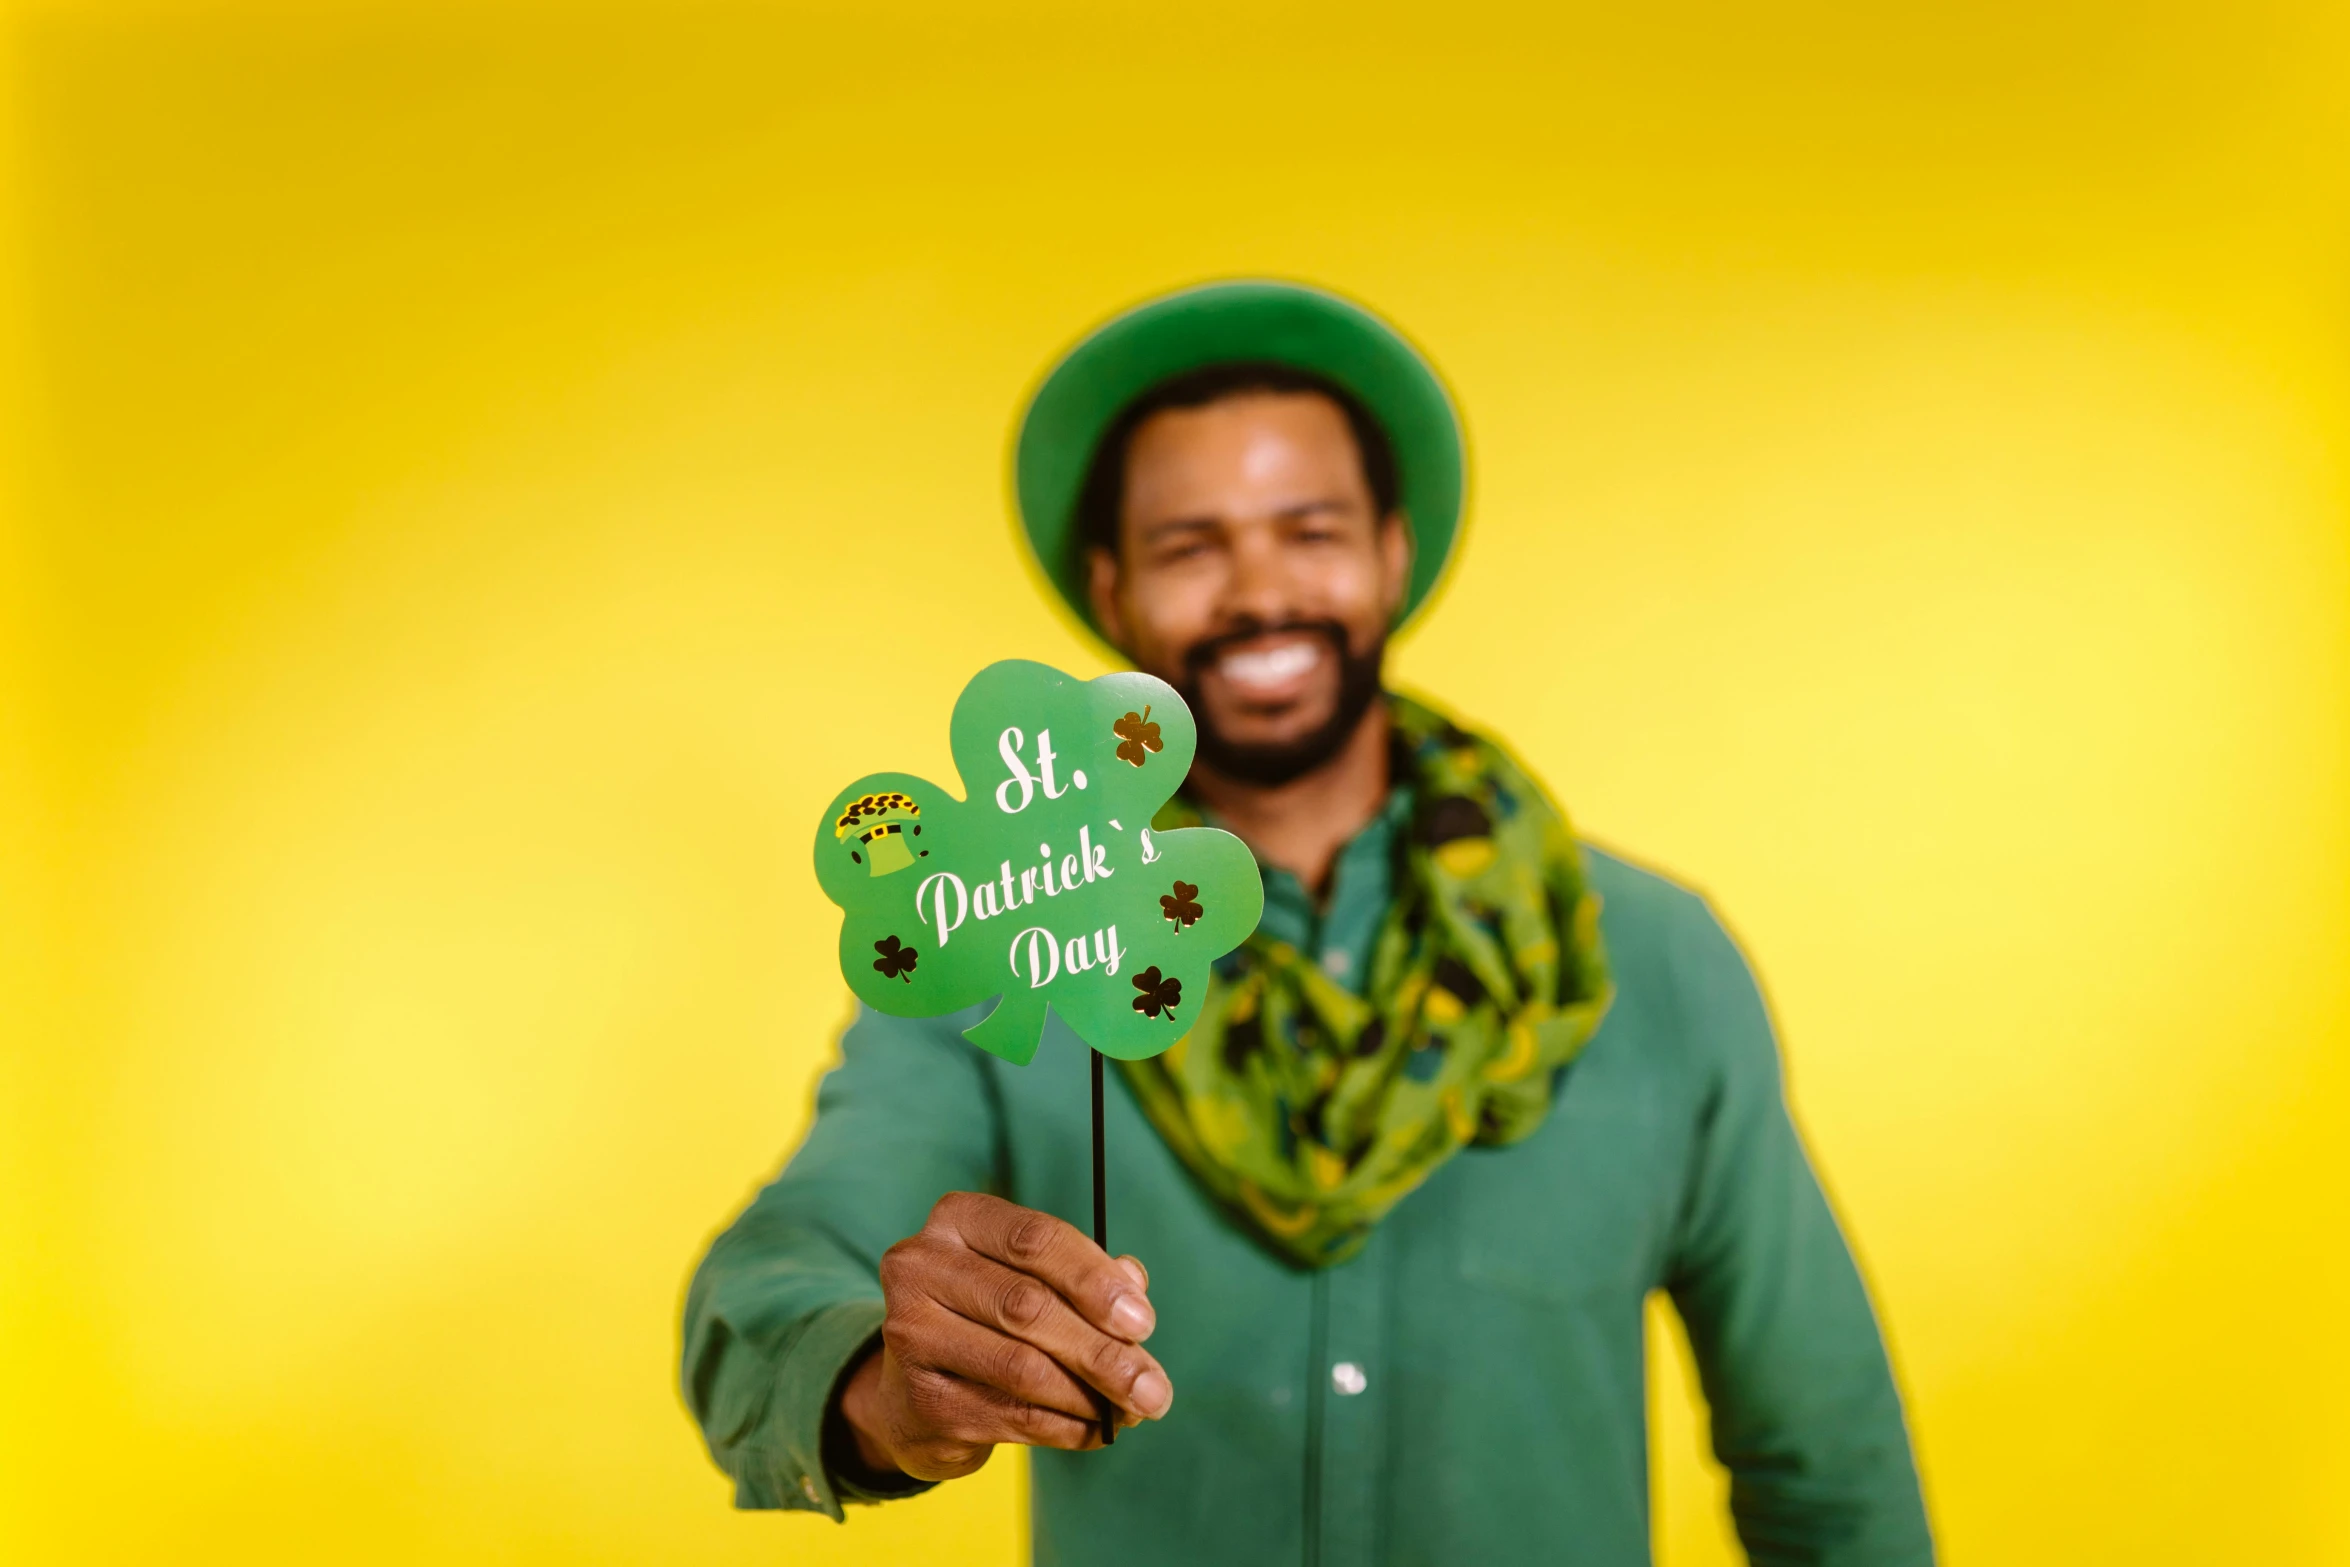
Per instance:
x=896, y=960
x=1158, y=995
x=1182, y=906
x=1137, y=734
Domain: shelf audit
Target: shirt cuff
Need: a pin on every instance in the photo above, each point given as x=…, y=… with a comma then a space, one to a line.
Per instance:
x=788, y=1464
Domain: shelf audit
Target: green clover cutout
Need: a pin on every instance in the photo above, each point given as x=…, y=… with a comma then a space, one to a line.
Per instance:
x=1045, y=888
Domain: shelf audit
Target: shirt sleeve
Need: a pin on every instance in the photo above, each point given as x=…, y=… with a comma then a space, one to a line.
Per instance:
x=790, y=1294
x=1805, y=1413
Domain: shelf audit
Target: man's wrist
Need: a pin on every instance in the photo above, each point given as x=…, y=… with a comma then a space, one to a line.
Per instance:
x=855, y=1430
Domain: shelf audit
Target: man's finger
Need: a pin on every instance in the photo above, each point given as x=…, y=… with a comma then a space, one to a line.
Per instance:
x=933, y=1337
x=955, y=1426
x=1022, y=1306
x=1104, y=1293
x=1037, y=1426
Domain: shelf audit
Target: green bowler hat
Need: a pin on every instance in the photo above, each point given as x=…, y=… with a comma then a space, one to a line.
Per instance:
x=1217, y=323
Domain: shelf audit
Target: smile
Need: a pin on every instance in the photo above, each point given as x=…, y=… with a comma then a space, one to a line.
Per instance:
x=1274, y=666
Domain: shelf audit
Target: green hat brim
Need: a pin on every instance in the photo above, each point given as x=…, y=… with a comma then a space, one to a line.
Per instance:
x=1219, y=323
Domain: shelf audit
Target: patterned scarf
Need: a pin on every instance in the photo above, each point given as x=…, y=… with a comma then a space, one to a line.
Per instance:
x=1310, y=1111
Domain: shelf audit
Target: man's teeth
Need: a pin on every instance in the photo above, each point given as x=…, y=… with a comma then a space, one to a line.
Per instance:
x=1272, y=666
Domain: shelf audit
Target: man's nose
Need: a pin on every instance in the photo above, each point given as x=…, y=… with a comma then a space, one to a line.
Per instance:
x=1260, y=588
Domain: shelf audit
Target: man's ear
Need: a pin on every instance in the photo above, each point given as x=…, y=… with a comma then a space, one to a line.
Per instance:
x=1395, y=559
x=1101, y=591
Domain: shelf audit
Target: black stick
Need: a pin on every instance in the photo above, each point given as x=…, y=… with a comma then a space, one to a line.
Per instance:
x=1101, y=1225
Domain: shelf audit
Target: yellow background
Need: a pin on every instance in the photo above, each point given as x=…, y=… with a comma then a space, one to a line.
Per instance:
x=479, y=478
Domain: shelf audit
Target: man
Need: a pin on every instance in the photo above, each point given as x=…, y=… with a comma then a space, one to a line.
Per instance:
x=1469, y=1094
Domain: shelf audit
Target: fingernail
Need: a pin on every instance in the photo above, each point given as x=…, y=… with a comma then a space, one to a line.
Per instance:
x=1130, y=1318
x=1152, y=1395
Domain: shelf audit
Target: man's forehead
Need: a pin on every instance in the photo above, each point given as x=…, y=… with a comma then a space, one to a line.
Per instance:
x=1248, y=442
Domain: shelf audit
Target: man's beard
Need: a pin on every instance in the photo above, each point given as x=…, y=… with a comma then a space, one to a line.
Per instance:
x=1273, y=765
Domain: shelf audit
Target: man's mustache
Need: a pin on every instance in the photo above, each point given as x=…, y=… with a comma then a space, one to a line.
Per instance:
x=1201, y=654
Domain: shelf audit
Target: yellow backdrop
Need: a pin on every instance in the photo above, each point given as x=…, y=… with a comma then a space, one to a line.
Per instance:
x=480, y=478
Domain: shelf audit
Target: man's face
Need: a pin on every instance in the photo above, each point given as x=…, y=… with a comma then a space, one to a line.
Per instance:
x=1255, y=575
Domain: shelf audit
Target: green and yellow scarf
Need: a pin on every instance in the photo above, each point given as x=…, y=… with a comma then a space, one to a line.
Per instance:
x=1310, y=1111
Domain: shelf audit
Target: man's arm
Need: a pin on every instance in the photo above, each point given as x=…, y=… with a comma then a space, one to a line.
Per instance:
x=997, y=1323
x=1805, y=1414
x=790, y=1294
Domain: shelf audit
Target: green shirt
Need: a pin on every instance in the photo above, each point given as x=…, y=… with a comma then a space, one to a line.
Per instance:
x=1341, y=935
x=1469, y=1388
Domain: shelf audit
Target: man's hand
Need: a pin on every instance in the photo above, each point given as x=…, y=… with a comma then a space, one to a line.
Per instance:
x=1001, y=1320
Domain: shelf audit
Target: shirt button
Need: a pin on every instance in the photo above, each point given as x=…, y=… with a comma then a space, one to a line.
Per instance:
x=1336, y=962
x=808, y=1489
x=1348, y=1378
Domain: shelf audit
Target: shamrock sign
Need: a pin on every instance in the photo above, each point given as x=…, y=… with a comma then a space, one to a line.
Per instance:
x=1043, y=887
